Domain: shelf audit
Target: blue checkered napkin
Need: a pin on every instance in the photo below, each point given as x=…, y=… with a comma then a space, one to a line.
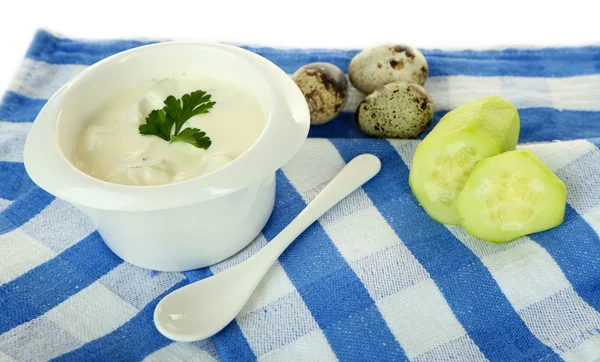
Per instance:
x=375, y=279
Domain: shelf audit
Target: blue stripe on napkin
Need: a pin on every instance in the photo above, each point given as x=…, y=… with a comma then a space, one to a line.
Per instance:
x=544, y=62
x=50, y=49
x=537, y=124
x=467, y=285
x=15, y=181
x=332, y=292
x=18, y=108
x=579, y=261
x=24, y=209
x=49, y=284
x=232, y=344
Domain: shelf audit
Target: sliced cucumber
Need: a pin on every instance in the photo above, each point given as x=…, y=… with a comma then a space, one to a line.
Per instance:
x=511, y=195
x=444, y=160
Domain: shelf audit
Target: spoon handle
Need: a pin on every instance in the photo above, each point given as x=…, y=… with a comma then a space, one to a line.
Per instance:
x=358, y=171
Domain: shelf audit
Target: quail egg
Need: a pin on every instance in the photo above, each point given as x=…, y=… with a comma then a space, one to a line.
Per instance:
x=396, y=110
x=375, y=67
x=325, y=88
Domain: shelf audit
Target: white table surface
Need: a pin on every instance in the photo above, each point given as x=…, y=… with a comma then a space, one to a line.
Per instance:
x=309, y=23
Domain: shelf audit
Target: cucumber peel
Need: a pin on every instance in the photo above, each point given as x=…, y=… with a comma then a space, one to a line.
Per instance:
x=511, y=195
x=443, y=161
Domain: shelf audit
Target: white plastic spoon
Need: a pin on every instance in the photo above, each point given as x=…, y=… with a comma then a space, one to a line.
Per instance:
x=201, y=309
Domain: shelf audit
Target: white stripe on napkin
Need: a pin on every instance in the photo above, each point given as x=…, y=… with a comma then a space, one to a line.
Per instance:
x=571, y=159
x=138, y=286
x=515, y=267
x=523, y=92
x=21, y=253
x=92, y=313
x=180, y=352
x=6, y=358
x=572, y=93
x=593, y=218
x=558, y=154
x=421, y=320
x=12, y=140
x=38, y=79
x=460, y=349
x=581, y=92
x=37, y=340
x=573, y=321
x=411, y=304
x=59, y=226
x=4, y=204
x=288, y=316
x=588, y=351
x=258, y=243
x=309, y=348
x=583, y=191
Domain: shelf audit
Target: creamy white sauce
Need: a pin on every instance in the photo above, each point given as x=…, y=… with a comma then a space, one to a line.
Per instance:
x=111, y=148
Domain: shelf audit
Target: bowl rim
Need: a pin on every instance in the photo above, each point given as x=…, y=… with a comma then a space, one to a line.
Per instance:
x=286, y=127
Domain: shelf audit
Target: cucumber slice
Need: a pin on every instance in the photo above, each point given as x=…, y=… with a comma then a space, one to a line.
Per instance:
x=444, y=160
x=511, y=195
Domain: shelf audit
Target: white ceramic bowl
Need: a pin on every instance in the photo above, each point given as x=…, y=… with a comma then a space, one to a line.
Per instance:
x=184, y=225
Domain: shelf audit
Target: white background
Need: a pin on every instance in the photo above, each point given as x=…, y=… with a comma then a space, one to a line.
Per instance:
x=308, y=23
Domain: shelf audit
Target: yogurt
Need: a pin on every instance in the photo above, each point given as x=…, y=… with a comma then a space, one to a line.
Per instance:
x=111, y=148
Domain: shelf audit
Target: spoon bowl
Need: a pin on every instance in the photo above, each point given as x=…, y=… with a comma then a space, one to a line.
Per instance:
x=209, y=303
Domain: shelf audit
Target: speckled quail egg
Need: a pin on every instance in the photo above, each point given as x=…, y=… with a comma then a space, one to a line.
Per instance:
x=325, y=88
x=375, y=67
x=396, y=110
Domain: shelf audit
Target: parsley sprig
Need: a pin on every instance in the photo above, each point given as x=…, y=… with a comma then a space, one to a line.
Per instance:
x=176, y=112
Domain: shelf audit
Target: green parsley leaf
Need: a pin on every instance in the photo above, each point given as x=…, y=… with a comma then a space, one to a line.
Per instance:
x=176, y=112
x=157, y=124
x=189, y=105
x=194, y=137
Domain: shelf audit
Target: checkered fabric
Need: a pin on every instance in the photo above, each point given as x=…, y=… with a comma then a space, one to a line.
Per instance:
x=374, y=279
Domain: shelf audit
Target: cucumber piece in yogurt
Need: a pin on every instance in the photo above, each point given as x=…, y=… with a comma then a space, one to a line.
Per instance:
x=443, y=161
x=511, y=195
